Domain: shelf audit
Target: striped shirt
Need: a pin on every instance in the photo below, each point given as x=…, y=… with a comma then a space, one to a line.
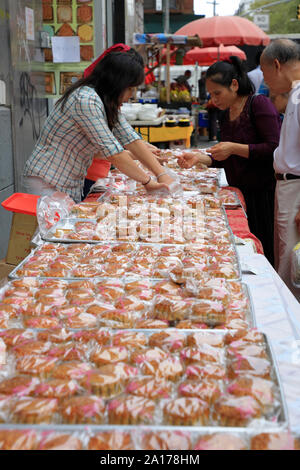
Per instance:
x=69, y=140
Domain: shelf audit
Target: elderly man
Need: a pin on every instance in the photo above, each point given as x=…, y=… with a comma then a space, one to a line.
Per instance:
x=280, y=64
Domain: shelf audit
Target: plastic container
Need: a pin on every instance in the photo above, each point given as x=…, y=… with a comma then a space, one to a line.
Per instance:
x=148, y=100
x=203, y=120
x=22, y=203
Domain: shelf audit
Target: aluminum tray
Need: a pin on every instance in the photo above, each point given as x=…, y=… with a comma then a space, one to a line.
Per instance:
x=263, y=425
x=234, y=205
x=284, y=416
x=188, y=435
x=67, y=224
x=13, y=274
x=250, y=315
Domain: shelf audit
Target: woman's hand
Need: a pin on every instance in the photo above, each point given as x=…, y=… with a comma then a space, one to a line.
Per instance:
x=166, y=179
x=154, y=186
x=153, y=149
x=189, y=159
x=221, y=151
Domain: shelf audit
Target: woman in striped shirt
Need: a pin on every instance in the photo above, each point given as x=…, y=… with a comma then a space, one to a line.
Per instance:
x=87, y=122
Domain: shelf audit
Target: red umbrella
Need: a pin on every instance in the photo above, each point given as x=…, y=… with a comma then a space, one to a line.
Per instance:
x=209, y=55
x=226, y=30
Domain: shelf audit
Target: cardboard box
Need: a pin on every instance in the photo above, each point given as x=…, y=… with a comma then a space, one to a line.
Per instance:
x=5, y=269
x=22, y=230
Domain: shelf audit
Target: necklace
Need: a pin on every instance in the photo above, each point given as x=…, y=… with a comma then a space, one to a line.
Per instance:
x=234, y=114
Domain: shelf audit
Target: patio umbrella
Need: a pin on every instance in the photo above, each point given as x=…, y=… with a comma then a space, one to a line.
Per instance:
x=209, y=55
x=227, y=30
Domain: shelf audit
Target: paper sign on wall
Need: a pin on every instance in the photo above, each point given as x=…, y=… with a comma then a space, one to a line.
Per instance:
x=66, y=49
x=29, y=18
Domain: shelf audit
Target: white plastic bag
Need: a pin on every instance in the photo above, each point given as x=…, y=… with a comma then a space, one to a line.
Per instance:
x=50, y=209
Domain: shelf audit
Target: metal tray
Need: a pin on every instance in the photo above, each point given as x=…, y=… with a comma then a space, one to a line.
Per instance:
x=249, y=315
x=284, y=416
x=85, y=432
x=262, y=424
x=13, y=274
x=234, y=205
x=67, y=224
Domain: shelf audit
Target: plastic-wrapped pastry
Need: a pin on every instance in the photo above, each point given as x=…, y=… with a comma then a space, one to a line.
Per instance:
x=199, y=338
x=171, y=309
x=208, y=371
x=260, y=389
x=17, y=439
x=186, y=412
x=130, y=303
x=55, y=336
x=220, y=441
x=150, y=387
x=103, y=383
x=14, y=336
x=250, y=336
x=250, y=365
x=37, y=309
x=59, y=441
x=4, y=319
x=131, y=340
x=236, y=411
x=87, y=270
x=167, y=288
x=41, y=366
x=110, y=290
x=242, y=348
x=111, y=440
x=83, y=320
x=72, y=370
x=131, y=410
x=56, y=388
x=10, y=311
x=42, y=322
x=210, y=312
x=18, y=386
x=236, y=324
x=149, y=357
x=81, y=297
x=68, y=311
x=32, y=348
x=68, y=352
x=99, y=308
x=214, y=289
x=83, y=410
x=172, y=340
x=169, y=369
x=151, y=323
x=34, y=410
x=118, y=318
x=109, y=354
x=274, y=441
x=207, y=390
x=191, y=325
x=201, y=353
x=166, y=440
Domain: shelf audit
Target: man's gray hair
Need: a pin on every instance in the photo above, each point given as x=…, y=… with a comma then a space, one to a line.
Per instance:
x=284, y=50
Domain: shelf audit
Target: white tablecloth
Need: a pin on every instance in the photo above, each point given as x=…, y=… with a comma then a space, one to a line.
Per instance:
x=277, y=315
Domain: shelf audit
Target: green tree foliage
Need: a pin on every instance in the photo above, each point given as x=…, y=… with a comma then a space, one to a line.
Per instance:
x=280, y=16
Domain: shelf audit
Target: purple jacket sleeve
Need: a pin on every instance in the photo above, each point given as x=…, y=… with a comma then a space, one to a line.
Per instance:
x=267, y=124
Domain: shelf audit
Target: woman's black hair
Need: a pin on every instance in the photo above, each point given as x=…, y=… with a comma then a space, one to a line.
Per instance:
x=116, y=72
x=224, y=72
